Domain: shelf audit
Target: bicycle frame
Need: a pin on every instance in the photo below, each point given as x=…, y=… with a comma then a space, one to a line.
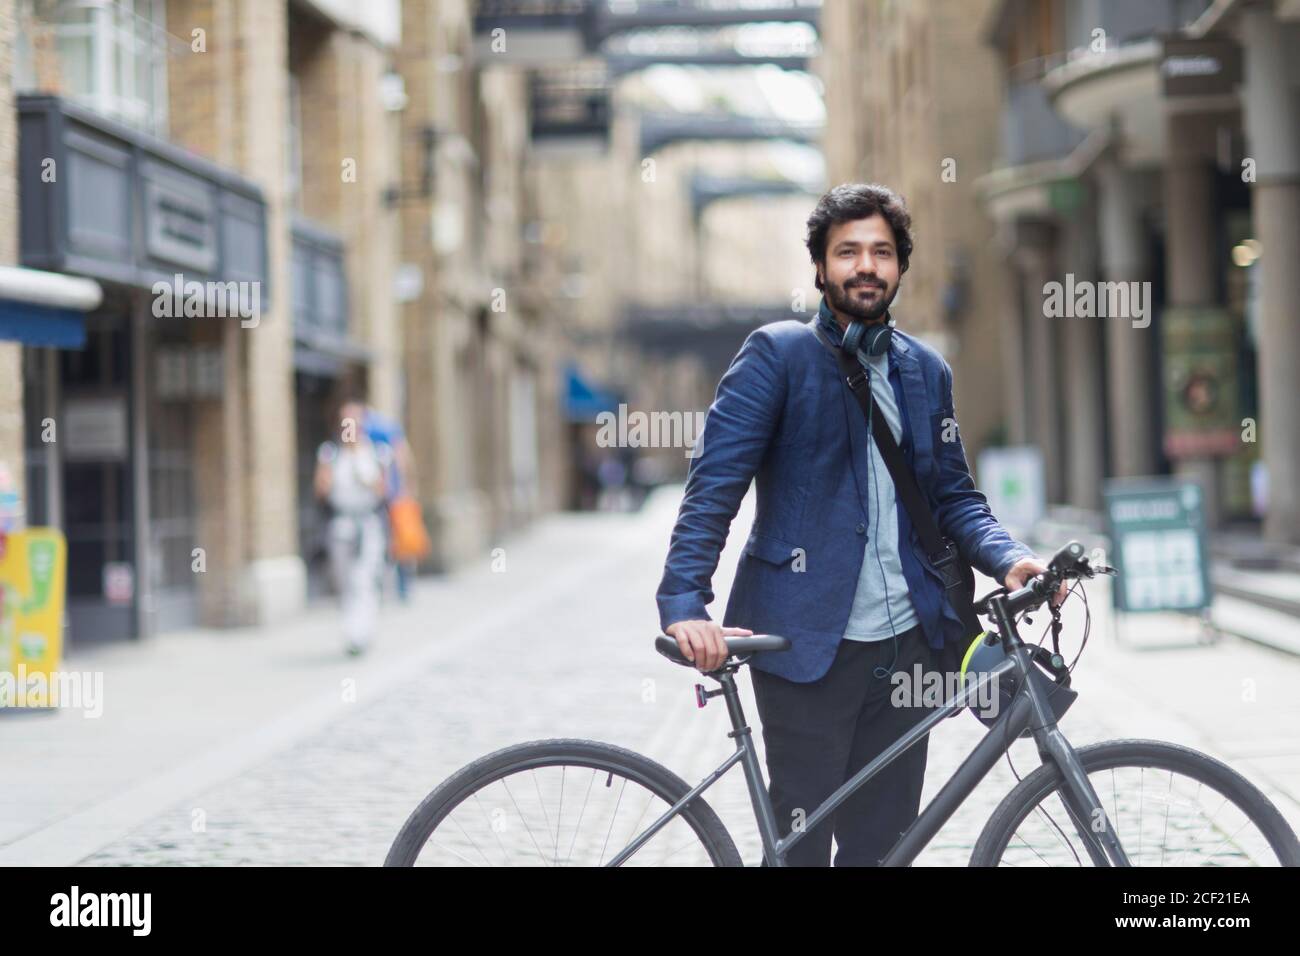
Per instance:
x=1028, y=709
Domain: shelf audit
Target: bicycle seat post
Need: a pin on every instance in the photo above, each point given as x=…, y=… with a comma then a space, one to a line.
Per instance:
x=743, y=736
x=725, y=675
x=731, y=694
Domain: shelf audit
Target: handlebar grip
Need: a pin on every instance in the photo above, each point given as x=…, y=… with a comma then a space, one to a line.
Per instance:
x=1068, y=557
x=1038, y=590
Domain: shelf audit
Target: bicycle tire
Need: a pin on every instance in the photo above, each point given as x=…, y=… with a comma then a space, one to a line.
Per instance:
x=1134, y=753
x=655, y=777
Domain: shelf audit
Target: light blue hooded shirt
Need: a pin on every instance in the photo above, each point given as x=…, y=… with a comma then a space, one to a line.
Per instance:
x=882, y=603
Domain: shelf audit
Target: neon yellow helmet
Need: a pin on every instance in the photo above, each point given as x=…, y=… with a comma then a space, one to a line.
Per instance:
x=985, y=653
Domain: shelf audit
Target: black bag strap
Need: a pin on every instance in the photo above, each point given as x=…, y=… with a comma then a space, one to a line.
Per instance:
x=905, y=486
x=942, y=552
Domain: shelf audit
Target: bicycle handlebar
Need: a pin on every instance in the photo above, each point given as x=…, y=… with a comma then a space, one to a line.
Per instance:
x=1067, y=564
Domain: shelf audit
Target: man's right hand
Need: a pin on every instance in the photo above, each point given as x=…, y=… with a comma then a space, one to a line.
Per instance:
x=704, y=642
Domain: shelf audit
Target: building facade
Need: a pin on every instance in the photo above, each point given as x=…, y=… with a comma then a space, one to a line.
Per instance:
x=1150, y=156
x=1102, y=192
x=273, y=205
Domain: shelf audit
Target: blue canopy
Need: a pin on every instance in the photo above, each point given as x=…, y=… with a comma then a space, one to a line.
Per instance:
x=41, y=325
x=583, y=401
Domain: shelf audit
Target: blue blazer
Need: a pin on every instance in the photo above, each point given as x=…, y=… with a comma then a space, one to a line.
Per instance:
x=783, y=417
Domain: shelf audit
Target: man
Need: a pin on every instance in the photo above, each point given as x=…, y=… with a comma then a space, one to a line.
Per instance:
x=349, y=476
x=833, y=562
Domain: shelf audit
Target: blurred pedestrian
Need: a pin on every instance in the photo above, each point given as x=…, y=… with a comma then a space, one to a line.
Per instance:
x=612, y=475
x=387, y=434
x=351, y=479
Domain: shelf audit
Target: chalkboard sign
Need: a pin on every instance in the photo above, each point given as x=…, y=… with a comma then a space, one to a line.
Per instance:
x=1158, y=543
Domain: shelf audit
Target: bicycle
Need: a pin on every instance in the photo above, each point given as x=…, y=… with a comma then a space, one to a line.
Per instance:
x=1100, y=834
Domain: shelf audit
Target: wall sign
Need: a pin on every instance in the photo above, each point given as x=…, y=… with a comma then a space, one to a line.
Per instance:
x=95, y=429
x=1199, y=67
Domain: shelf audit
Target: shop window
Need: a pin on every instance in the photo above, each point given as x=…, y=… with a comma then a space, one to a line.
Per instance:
x=113, y=58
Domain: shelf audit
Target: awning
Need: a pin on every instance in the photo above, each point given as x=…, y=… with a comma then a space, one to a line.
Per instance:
x=583, y=401
x=34, y=325
x=326, y=356
x=45, y=308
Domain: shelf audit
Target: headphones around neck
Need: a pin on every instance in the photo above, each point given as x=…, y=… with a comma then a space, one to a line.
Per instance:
x=873, y=339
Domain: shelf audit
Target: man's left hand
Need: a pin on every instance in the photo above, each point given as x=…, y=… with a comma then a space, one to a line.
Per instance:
x=1026, y=568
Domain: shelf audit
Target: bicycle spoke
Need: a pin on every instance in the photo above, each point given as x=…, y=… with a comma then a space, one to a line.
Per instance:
x=1031, y=849
x=540, y=855
x=492, y=828
x=1208, y=824
x=1060, y=834
x=471, y=840
x=636, y=823
x=578, y=826
x=1227, y=838
x=559, y=815
x=454, y=853
x=545, y=819
x=1141, y=789
x=611, y=822
x=689, y=843
x=1180, y=835
x=1165, y=835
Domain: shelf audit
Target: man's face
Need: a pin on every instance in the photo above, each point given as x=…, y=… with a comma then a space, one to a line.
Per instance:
x=861, y=274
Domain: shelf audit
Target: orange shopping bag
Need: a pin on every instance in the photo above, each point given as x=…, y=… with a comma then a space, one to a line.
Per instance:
x=410, y=540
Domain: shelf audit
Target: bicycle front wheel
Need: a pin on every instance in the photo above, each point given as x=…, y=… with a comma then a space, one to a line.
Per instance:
x=561, y=803
x=1169, y=806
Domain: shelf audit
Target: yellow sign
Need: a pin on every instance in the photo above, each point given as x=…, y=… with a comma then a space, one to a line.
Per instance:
x=33, y=579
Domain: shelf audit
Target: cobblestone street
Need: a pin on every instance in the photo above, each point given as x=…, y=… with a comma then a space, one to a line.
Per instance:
x=558, y=644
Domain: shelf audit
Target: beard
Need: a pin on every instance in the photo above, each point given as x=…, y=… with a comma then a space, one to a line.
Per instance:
x=844, y=299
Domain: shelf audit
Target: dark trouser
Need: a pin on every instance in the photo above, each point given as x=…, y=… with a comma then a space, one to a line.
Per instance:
x=819, y=734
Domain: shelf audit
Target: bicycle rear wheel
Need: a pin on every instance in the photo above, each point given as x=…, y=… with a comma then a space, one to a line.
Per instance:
x=1169, y=805
x=560, y=803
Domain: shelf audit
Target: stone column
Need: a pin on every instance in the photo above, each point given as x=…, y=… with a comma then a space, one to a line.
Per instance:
x=444, y=359
x=1272, y=105
x=1011, y=336
x=347, y=165
x=1083, y=381
x=1191, y=267
x=219, y=466
x=275, y=575
x=1036, y=257
x=1129, y=350
x=205, y=82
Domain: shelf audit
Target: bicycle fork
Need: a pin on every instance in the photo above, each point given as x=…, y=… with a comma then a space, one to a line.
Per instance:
x=1077, y=793
x=1081, y=800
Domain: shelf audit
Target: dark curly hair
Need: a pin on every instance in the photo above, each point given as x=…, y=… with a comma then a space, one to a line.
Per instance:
x=850, y=201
